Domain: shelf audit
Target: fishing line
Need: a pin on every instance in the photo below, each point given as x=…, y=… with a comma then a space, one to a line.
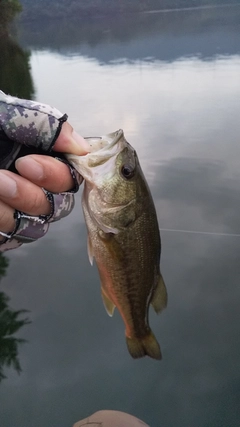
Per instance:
x=200, y=232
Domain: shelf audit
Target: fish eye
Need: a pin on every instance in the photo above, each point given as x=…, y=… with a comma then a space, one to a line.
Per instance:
x=128, y=171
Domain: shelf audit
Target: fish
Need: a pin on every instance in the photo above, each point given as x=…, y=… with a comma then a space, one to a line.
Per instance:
x=123, y=237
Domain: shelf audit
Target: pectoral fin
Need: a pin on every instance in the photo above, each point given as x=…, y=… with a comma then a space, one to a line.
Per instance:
x=90, y=250
x=108, y=304
x=159, y=298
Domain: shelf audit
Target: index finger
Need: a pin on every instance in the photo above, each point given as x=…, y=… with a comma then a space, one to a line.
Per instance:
x=47, y=172
x=69, y=141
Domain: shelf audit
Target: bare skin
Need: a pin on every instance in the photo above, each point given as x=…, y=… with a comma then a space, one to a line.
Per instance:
x=111, y=419
x=23, y=192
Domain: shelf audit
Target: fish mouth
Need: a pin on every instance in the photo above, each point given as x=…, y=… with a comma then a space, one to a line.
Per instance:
x=107, y=141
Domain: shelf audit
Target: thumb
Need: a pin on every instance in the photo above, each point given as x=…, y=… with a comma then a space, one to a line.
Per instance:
x=69, y=141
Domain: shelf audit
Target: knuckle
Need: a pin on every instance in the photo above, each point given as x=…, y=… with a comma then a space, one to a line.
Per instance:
x=7, y=221
x=37, y=204
x=60, y=179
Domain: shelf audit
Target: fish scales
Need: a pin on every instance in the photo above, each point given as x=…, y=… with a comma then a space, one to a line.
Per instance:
x=123, y=237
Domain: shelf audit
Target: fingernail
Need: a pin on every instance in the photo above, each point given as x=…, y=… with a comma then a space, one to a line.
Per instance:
x=30, y=168
x=8, y=187
x=81, y=142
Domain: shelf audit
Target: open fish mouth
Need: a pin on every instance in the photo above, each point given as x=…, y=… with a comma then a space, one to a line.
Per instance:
x=108, y=141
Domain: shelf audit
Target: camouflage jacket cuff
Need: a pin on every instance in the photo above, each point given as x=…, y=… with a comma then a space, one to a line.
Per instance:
x=28, y=122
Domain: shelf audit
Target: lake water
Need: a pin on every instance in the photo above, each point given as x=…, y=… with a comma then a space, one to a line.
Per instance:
x=172, y=82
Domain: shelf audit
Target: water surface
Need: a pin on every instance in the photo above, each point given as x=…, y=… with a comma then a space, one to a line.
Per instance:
x=171, y=81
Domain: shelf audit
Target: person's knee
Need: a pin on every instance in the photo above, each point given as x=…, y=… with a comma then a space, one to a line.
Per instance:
x=109, y=418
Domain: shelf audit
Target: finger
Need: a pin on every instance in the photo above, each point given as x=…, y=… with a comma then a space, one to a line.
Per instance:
x=111, y=419
x=46, y=171
x=69, y=141
x=7, y=222
x=21, y=194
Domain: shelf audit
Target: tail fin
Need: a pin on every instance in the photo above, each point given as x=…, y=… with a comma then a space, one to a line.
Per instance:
x=146, y=346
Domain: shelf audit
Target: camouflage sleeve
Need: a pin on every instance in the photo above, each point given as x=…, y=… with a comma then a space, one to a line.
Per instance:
x=30, y=228
x=35, y=126
x=29, y=123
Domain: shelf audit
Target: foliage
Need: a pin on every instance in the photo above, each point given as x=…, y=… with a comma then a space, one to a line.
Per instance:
x=3, y=265
x=9, y=325
x=8, y=8
x=15, y=75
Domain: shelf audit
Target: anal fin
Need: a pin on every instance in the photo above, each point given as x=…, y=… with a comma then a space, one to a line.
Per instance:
x=108, y=304
x=90, y=250
x=160, y=297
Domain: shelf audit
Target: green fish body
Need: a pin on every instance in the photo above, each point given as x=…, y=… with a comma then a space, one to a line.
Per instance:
x=123, y=237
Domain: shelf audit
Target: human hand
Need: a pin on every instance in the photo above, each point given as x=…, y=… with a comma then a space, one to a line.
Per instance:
x=24, y=192
x=111, y=419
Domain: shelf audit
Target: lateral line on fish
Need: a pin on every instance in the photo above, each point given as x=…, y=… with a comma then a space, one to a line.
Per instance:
x=211, y=233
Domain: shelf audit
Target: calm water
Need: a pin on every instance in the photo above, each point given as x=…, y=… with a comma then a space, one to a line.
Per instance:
x=172, y=82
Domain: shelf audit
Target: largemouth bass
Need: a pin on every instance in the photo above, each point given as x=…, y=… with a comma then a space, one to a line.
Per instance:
x=123, y=237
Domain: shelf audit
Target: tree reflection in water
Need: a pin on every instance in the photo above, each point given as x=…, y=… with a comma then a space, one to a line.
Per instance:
x=10, y=323
x=15, y=75
x=15, y=79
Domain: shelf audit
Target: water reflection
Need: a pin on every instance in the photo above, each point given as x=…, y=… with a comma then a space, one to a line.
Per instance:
x=165, y=36
x=9, y=325
x=212, y=206
x=185, y=109
x=182, y=117
x=15, y=75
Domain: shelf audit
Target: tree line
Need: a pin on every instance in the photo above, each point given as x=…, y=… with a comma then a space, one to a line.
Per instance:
x=38, y=9
x=66, y=8
x=8, y=10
